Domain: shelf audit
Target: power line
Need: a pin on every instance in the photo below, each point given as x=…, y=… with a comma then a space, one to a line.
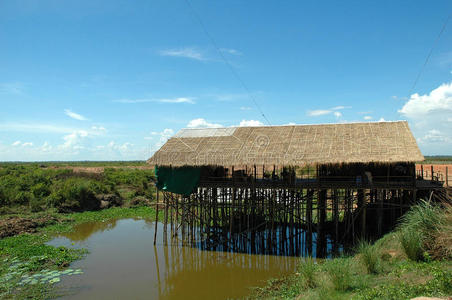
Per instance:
x=429, y=54
x=226, y=61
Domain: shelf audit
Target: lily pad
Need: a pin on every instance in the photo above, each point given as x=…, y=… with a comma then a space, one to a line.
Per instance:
x=55, y=280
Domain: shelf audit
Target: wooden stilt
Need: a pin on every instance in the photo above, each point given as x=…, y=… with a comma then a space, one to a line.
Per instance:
x=156, y=214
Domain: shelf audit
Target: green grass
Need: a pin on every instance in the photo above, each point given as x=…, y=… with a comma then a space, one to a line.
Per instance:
x=307, y=269
x=382, y=270
x=340, y=274
x=369, y=257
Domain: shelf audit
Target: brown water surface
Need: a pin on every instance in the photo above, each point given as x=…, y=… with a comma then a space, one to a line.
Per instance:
x=123, y=263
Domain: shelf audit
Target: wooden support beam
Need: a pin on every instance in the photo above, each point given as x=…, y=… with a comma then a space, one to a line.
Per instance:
x=447, y=176
x=156, y=214
x=361, y=209
x=321, y=218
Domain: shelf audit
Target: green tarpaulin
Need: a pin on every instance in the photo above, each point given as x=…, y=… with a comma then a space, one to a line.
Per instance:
x=181, y=180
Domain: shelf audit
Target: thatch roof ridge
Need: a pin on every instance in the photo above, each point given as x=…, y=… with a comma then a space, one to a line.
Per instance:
x=387, y=141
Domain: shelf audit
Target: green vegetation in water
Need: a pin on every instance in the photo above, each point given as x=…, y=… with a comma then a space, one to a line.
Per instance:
x=398, y=266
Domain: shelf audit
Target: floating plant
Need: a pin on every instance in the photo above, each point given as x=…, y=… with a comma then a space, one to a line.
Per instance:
x=48, y=276
x=18, y=271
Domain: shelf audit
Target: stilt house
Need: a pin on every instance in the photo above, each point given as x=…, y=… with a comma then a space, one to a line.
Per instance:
x=308, y=182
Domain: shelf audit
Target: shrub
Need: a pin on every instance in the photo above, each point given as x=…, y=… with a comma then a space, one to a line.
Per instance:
x=411, y=242
x=339, y=271
x=74, y=194
x=442, y=248
x=426, y=227
x=369, y=257
x=307, y=270
x=36, y=205
x=23, y=197
x=40, y=190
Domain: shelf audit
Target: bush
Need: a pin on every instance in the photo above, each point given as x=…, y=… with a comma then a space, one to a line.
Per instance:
x=442, y=248
x=369, y=257
x=426, y=227
x=307, y=270
x=411, y=242
x=74, y=194
x=36, y=205
x=23, y=197
x=339, y=271
x=40, y=190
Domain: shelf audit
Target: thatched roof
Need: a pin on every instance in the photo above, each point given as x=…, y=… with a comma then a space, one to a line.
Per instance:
x=291, y=145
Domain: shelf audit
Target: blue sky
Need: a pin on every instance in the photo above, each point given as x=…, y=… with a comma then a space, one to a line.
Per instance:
x=112, y=80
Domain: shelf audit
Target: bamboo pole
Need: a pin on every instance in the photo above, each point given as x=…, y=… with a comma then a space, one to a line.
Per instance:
x=156, y=214
x=447, y=177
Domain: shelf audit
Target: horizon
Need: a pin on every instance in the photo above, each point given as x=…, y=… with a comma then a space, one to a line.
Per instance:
x=113, y=80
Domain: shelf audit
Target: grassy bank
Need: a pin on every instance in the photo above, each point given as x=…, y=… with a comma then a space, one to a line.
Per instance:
x=40, y=201
x=415, y=260
x=29, y=268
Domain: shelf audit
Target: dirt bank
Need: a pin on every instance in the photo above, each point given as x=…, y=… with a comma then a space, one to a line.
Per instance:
x=11, y=226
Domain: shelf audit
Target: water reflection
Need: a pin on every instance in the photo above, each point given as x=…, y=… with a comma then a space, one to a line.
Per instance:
x=124, y=263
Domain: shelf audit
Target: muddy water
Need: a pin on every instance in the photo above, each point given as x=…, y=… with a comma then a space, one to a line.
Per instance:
x=123, y=263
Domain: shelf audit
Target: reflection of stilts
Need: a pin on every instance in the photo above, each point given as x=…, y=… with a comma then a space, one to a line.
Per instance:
x=158, y=271
x=253, y=214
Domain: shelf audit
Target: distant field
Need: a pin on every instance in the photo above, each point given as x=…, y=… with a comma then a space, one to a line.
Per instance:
x=438, y=159
x=82, y=163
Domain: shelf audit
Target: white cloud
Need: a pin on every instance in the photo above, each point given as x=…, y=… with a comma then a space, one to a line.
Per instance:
x=74, y=115
x=46, y=147
x=27, y=144
x=435, y=136
x=202, y=123
x=382, y=120
x=188, y=52
x=177, y=100
x=438, y=100
x=16, y=143
x=245, y=108
x=74, y=140
x=367, y=118
x=319, y=112
x=162, y=100
x=162, y=136
x=430, y=114
x=339, y=107
x=323, y=112
x=231, y=51
x=244, y=123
